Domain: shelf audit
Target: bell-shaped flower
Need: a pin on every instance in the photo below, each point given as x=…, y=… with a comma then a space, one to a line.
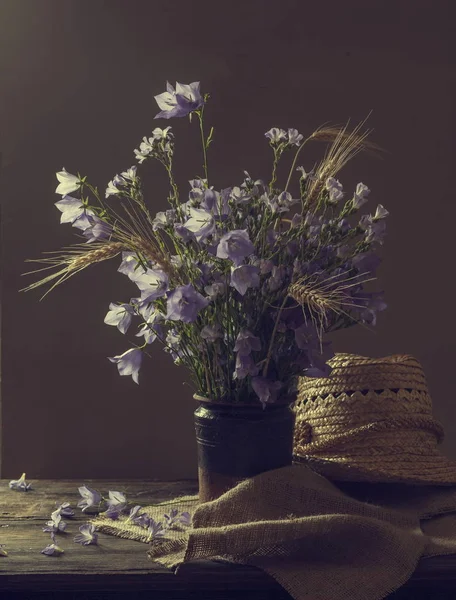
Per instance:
x=245, y=365
x=266, y=390
x=245, y=277
x=235, y=246
x=116, y=498
x=246, y=342
x=55, y=524
x=71, y=209
x=185, y=99
x=134, y=513
x=294, y=137
x=153, y=283
x=173, y=518
x=65, y=510
x=201, y=223
x=130, y=265
x=380, y=213
x=360, y=195
x=334, y=188
x=52, y=550
x=90, y=498
x=155, y=530
x=147, y=330
x=142, y=520
x=240, y=195
x=97, y=230
x=20, y=484
x=280, y=203
x=162, y=134
x=129, y=363
x=184, y=303
x=376, y=232
x=146, y=149
x=217, y=203
x=67, y=182
x=162, y=219
x=113, y=186
x=276, y=135
x=87, y=535
x=119, y=315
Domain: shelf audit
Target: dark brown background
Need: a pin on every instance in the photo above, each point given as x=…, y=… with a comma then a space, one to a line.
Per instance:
x=77, y=86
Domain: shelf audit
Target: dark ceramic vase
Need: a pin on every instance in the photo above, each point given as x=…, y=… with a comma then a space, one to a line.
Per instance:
x=238, y=441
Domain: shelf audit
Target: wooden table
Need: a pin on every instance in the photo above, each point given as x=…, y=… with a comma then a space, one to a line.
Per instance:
x=118, y=568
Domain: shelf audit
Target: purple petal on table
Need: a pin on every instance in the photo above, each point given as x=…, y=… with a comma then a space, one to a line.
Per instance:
x=87, y=535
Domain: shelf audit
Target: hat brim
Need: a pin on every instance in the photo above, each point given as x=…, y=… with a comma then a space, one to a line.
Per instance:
x=436, y=470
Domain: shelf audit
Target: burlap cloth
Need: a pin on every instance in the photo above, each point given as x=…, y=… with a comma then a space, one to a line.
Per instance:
x=319, y=540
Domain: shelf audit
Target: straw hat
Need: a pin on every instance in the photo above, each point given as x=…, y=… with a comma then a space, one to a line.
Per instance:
x=371, y=420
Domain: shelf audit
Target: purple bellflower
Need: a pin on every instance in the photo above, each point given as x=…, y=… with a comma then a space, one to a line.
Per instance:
x=265, y=389
x=90, y=498
x=155, y=530
x=129, y=363
x=119, y=315
x=52, y=549
x=72, y=209
x=67, y=182
x=55, y=524
x=184, y=304
x=245, y=277
x=246, y=342
x=235, y=245
x=20, y=484
x=87, y=535
x=179, y=102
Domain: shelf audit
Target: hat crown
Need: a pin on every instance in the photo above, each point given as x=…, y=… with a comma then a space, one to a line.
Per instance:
x=370, y=420
x=362, y=395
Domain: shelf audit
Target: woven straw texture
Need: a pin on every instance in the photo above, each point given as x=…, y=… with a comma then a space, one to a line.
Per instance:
x=371, y=420
x=317, y=539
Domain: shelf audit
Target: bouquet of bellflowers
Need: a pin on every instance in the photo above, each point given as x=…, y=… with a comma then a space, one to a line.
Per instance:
x=239, y=285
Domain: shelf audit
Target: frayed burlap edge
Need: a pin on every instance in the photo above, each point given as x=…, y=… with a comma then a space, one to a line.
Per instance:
x=175, y=540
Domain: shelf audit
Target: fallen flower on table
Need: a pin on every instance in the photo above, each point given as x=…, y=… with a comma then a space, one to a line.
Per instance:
x=90, y=498
x=87, y=535
x=173, y=518
x=113, y=512
x=116, y=498
x=20, y=484
x=55, y=524
x=117, y=502
x=143, y=520
x=52, y=549
x=155, y=530
x=3, y=552
x=65, y=510
x=134, y=513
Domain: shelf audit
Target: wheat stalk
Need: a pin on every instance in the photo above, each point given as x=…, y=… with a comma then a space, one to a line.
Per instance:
x=345, y=145
x=322, y=298
x=75, y=259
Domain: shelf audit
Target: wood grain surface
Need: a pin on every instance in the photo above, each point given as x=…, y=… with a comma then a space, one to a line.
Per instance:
x=118, y=568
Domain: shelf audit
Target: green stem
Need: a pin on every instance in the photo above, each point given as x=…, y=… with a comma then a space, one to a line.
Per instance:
x=277, y=155
x=268, y=357
x=200, y=116
x=294, y=164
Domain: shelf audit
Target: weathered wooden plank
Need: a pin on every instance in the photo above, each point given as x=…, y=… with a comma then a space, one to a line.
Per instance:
x=117, y=565
x=26, y=539
x=24, y=514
